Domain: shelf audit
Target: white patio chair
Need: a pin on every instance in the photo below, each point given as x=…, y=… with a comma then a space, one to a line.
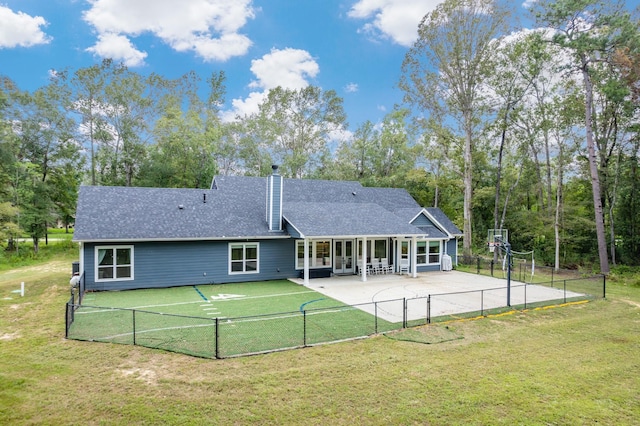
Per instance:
x=385, y=267
x=404, y=266
x=362, y=268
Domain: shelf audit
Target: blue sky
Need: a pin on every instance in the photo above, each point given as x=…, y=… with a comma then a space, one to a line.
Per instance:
x=355, y=47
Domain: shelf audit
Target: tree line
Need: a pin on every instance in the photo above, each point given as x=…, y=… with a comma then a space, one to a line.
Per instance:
x=536, y=131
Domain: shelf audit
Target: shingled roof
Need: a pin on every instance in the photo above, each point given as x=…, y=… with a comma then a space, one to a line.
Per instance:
x=234, y=207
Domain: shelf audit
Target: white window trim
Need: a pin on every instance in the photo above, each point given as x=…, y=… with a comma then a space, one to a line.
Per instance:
x=371, y=250
x=426, y=242
x=313, y=254
x=98, y=248
x=244, y=261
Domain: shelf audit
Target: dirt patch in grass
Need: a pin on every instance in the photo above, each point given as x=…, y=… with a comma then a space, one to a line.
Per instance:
x=631, y=302
x=55, y=266
x=145, y=375
x=9, y=336
x=430, y=334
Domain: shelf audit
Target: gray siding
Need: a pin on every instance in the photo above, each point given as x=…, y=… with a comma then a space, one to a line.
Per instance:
x=292, y=231
x=451, y=249
x=428, y=268
x=422, y=220
x=274, y=202
x=169, y=264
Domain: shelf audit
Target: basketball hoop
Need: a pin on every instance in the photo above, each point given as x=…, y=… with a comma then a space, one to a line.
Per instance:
x=496, y=238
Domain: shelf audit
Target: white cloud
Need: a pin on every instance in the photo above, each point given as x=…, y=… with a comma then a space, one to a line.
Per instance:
x=209, y=28
x=397, y=20
x=20, y=29
x=288, y=68
x=351, y=88
x=118, y=48
x=242, y=107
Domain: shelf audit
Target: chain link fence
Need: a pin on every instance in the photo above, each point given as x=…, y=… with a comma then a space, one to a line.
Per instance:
x=231, y=337
x=522, y=270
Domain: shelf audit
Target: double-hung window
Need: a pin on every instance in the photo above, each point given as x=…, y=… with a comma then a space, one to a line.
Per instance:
x=421, y=254
x=428, y=252
x=244, y=258
x=114, y=263
x=434, y=252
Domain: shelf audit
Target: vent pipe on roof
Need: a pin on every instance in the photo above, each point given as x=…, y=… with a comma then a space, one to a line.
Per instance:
x=204, y=198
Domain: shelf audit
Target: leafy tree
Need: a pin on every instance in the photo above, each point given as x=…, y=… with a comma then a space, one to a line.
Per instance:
x=444, y=70
x=47, y=152
x=392, y=157
x=293, y=126
x=353, y=156
x=592, y=30
x=88, y=101
x=8, y=227
x=187, y=138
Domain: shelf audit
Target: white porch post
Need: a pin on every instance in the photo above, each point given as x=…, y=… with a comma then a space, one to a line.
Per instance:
x=306, y=261
x=363, y=273
x=414, y=257
x=396, y=261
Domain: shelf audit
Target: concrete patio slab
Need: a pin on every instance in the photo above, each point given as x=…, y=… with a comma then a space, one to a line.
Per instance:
x=452, y=292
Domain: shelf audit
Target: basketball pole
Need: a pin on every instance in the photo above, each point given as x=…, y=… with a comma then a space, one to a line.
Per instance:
x=506, y=246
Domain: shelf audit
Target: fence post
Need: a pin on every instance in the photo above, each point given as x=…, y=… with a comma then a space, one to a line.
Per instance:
x=429, y=309
x=525, y=295
x=217, y=338
x=404, y=312
x=304, y=328
x=604, y=286
x=375, y=311
x=552, y=271
x=478, y=267
x=66, y=321
x=481, y=303
x=565, y=290
x=133, y=313
x=520, y=274
x=492, y=264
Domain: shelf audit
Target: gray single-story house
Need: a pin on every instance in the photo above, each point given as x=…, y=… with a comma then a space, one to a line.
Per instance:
x=254, y=229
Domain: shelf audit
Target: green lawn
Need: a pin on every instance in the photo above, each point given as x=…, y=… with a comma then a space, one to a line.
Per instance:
x=561, y=366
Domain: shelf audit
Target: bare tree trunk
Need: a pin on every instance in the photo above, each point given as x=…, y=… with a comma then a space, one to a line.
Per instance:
x=593, y=168
x=548, y=167
x=468, y=190
x=612, y=202
x=436, y=195
x=556, y=225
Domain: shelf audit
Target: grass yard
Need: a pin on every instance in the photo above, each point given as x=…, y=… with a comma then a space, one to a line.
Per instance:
x=562, y=366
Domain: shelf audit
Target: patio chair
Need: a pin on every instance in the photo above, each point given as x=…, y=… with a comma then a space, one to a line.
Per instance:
x=404, y=266
x=385, y=267
x=376, y=267
x=361, y=268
